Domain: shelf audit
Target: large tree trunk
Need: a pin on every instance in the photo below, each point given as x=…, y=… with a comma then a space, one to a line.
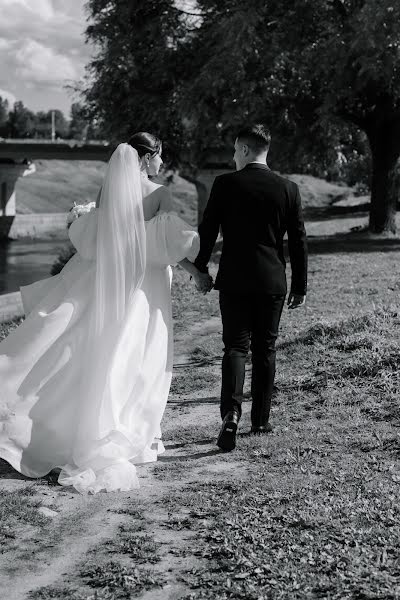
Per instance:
x=385, y=182
x=384, y=196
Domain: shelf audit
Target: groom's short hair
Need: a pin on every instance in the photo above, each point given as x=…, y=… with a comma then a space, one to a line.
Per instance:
x=257, y=137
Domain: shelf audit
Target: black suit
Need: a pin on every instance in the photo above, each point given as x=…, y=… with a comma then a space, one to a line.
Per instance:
x=254, y=208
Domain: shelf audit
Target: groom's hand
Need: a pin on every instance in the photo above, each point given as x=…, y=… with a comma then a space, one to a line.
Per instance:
x=204, y=282
x=295, y=301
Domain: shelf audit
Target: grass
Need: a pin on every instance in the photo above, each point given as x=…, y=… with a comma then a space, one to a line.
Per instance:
x=188, y=305
x=122, y=581
x=314, y=512
x=18, y=509
x=57, y=184
x=201, y=379
x=308, y=512
x=7, y=326
x=140, y=548
x=301, y=539
x=54, y=592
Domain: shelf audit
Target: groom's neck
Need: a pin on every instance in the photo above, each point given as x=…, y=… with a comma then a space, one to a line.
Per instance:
x=259, y=158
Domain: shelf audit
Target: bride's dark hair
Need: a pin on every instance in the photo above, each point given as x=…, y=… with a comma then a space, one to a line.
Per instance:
x=145, y=143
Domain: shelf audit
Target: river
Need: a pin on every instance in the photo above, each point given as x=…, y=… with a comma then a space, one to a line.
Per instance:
x=25, y=261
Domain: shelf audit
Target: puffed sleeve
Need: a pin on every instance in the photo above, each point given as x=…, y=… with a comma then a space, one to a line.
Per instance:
x=170, y=239
x=83, y=235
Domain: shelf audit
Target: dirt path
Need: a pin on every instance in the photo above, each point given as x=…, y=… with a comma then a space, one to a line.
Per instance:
x=81, y=524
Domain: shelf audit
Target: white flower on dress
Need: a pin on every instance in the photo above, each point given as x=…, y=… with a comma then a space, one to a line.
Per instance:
x=78, y=210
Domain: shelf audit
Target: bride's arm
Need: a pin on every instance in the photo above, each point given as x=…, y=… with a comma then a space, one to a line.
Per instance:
x=203, y=281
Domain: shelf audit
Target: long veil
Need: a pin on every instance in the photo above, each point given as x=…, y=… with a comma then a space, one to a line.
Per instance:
x=100, y=439
x=121, y=239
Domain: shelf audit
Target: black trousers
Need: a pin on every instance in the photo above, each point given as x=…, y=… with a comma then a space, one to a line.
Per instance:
x=249, y=322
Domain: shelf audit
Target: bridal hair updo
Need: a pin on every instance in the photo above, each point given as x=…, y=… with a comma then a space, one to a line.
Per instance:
x=145, y=143
x=257, y=137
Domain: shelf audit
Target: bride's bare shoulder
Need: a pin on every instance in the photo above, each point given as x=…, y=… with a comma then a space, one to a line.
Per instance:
x=163, y=195
x=149, y=187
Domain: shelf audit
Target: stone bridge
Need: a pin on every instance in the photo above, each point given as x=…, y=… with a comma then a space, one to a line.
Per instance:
x=17, y=160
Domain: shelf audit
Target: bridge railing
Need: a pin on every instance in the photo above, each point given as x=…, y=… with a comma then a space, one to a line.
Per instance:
x=59, y=150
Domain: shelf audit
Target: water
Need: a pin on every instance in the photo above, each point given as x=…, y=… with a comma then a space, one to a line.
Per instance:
x=24, y=261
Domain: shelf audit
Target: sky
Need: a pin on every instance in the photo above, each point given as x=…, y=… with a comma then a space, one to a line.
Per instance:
x=42, y=49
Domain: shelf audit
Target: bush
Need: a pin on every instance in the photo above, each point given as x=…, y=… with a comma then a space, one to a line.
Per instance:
x=357, y=171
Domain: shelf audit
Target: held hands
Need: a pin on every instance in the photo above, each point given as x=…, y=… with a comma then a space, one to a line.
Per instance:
x=295, y=301
x=204, y=282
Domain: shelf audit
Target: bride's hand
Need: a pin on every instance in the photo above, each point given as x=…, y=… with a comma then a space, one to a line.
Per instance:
x=204, y=282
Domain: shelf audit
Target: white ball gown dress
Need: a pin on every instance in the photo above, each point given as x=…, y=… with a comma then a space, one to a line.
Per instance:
x=49, y=416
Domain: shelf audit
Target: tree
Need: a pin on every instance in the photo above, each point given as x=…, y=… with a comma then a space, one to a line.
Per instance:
x=361, y=85
x=43, y=124
x=317, y=70
x=320, y=72
x=21, y=121
x=60, y=122
x=79, y=124
x=3, y=116
x=130, y=82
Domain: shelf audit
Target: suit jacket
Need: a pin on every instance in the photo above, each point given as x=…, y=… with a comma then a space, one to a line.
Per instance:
x=255, y=207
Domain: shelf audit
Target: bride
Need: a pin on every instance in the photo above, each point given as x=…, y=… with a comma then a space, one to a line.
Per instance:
x=84, y=380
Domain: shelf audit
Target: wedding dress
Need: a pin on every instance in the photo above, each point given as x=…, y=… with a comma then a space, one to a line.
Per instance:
x=84, y=379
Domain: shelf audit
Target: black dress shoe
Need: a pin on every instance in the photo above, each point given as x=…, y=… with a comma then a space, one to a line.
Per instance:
x=227, y=436
x=261, y=428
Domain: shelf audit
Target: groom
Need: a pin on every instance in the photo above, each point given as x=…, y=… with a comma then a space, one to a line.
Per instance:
x=254, y=208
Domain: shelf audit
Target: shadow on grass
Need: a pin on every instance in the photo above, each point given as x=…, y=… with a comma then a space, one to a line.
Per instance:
x=194, y=456
x=317, y=213
x=8, y=472
x=340, y=243
x=210, y=399
x=183, y=444
x=350, y=242
x=194, y=401
x=206, y=362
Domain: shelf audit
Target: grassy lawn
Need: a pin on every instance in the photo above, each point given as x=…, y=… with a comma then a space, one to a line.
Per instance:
x=309, y=511
x=57, y=184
